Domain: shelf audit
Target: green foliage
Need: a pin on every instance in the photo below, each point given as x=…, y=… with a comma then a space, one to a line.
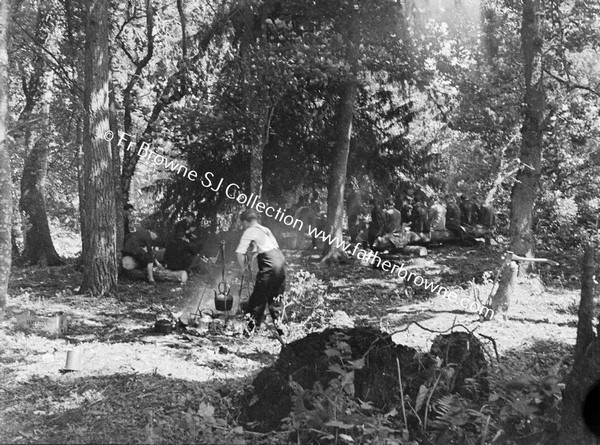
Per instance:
x=332, y=414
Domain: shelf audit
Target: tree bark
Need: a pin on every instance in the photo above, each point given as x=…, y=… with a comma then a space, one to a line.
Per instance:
x=586, y=364
x=116, y=158
x=5, y=170
x=257, y=150
x=38, y=247
x=99, y=217
x=522, y=240
x=337, y=181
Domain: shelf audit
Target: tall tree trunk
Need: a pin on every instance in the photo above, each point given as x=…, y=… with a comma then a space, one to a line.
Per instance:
x=38, y=247
x=337, y=179
x=116, y=157
x=5, y=170
x=522, y=240
x=586, y=364
x=99, y=230
x=257, y=150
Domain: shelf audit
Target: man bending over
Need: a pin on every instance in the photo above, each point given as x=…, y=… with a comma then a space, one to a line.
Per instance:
x=270, y=280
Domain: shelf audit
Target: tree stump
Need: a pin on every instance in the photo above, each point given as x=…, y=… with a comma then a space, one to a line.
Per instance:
x=500, y=300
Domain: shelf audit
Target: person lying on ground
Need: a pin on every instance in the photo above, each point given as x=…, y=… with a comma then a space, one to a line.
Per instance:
x=139, y=245
x=270, y=279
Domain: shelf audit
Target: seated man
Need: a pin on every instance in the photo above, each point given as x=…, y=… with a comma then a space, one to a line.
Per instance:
x=406, y=210
x=392, y=218
x=181, y=255
x=437, y=216
x=487, y=216
x=394, y=235
x=469, y=211
x=184, y=228
x=376, y=224
x=453, y=216
x=419, y=218
x=353, y=210
x=139, y=245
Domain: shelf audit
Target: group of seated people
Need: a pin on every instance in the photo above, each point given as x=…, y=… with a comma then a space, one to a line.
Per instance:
x=417, y=219
x=180, y=253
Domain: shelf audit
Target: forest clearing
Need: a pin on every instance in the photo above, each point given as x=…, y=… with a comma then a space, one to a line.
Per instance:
x=304, y=222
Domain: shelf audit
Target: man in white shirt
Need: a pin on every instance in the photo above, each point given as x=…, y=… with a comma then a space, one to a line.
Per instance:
x=270, y=280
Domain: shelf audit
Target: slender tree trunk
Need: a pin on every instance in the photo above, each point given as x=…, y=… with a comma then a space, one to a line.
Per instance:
x=99, y=228
x=337, y=181
x=38, y=246
x=5, y=170
x=257, y=150
x=116, y=156
x=524, y=192
x=586, y=364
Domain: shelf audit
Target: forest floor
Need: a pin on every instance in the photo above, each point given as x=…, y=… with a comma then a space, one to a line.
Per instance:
x=137, y=386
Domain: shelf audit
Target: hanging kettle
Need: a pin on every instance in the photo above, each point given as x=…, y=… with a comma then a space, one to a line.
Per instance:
x=223, y=298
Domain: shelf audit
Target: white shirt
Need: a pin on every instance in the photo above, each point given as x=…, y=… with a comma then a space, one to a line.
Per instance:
x=262, y=238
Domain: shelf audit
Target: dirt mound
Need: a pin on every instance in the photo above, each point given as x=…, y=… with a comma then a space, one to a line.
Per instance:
x=312, y=360
x=318, y=359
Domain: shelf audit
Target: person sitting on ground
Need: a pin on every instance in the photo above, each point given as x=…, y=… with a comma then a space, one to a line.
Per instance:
x=392, y=218
x=180, y=254
x=406, y=209
x=469, y=211
x=270, y=279
x=139, y=245
x=487, y=216
x=353, y=209
x=184, y=228
x=453, y=216
x=437, y=216
x=376, y=225
x=394, y=236
x=419, y=218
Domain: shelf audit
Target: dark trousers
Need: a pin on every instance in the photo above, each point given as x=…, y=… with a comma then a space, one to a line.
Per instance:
x=270, y=283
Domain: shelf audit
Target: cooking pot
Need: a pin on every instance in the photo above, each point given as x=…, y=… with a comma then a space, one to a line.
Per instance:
x=223, y=300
